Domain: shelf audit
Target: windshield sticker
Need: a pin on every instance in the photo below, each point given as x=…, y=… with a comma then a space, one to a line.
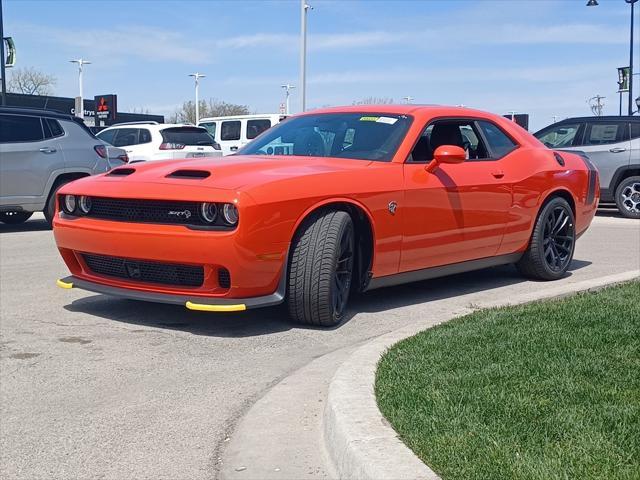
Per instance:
x=369, y=119
x=389, y=120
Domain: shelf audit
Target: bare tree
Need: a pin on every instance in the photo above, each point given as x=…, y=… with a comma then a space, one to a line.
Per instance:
x=30, y=81
x=374, y=101
x=208, y=108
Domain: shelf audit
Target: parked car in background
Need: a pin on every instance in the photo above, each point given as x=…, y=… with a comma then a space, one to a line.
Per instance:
x=613, y=145
x=40, y=151
x=146, y=141
x=233, y=132
x=364, y=197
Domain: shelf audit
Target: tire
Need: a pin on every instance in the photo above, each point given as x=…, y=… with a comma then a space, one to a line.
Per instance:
x=628, y=197
x=321, y=269
x=552, y=242
x=14, y=218
x=50, y=207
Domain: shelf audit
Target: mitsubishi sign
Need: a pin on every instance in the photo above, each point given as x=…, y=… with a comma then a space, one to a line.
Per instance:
x=106, y=107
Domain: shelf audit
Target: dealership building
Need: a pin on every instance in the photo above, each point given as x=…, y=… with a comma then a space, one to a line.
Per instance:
x=102, y=110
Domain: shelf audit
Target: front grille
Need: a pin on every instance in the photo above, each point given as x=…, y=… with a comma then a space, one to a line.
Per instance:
x=145, y=211
x=145, y=271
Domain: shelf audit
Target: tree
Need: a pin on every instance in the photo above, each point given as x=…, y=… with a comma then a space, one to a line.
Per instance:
x=31, y=81
x=208, y=108
x=374, y=101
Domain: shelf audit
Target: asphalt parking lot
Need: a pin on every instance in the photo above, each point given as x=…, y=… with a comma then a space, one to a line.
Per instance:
x=92, y=386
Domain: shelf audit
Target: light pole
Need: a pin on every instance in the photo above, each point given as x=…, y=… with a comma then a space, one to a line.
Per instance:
x=197, y=76
x=287, y=89
x=81, y=63
x=594, y=3
x=304, y=6
x=407, y=99
x=3, y=81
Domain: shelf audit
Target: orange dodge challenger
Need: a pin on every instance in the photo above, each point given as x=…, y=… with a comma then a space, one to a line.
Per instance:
x=327, y=203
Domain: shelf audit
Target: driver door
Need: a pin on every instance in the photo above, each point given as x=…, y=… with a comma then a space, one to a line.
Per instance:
x=459, y=211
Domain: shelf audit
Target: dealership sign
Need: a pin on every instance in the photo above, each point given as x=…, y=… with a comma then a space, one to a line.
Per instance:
x=106, y=107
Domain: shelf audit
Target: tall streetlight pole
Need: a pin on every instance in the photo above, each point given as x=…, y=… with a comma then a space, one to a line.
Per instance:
x=81, y=63
x=3, y=81
x=407, y=99
x=304, y=6
x=197, y=76
x=287, y=89
x=594, y=3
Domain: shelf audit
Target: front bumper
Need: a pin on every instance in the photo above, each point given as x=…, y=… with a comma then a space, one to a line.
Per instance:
x=206, y=304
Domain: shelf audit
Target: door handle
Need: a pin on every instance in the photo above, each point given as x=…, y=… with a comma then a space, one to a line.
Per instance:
x=48, y=150
x=233, y=149
x=617, y=150
x=497, y=173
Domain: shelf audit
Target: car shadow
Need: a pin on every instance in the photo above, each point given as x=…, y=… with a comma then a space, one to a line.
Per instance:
x=608, y=211
x=35, y=225
x=275, y=319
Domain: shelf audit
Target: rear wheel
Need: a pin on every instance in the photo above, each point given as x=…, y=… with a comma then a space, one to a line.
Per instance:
x=14, y=218
x=321, y=269
x=628, y=197
x=552, y=242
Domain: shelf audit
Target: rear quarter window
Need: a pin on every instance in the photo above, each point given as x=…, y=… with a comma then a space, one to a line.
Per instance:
x=499, y=142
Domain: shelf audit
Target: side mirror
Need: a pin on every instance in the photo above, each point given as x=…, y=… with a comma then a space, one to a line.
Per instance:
x=446, y=154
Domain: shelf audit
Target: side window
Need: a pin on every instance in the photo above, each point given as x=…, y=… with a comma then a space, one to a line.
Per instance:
x=211, y=128
x=54, y=127
x=560, y=136
x=635, y=130
x=107, y=136
x=499, y=143
x=230, y=130
x=144, y=136
x=256, y=127
x=19, y=128
x=605, y=133
x=461, y=133
x=125, y=137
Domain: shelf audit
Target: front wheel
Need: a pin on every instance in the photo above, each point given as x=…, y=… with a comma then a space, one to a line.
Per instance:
x=552, y=242
x=14, y=218
x=628, y=197
x=321, y=269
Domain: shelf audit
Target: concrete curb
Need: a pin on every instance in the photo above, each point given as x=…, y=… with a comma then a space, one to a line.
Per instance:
x=359, y=441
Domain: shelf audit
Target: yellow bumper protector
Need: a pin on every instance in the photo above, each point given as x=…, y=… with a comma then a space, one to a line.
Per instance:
x=62, y=284
x=216, y=308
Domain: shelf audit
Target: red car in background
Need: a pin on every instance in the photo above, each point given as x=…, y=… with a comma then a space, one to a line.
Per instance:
x=326, y=203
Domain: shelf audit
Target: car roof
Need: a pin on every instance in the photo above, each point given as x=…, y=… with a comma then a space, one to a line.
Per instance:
x=152, y=126
x=603, y=118
x=404, y=109
x=35, y=112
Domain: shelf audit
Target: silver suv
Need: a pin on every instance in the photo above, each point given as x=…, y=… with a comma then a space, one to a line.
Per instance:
x=613, y=145
x=40, y=151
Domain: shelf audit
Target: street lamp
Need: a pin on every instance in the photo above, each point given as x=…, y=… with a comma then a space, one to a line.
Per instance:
x=594, y=3
x=81, y=62
x=304, y=6
x=287, y=89
x=407, y=99
x=197, y=76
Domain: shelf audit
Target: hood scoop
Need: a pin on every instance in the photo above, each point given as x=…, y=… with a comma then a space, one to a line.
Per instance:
x=121, y=172
x=191, y=174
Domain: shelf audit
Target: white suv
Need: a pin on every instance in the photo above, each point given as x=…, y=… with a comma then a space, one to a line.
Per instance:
x=236, y=131
x=145, y=141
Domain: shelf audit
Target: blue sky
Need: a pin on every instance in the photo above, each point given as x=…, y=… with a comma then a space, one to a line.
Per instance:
x=544, y=57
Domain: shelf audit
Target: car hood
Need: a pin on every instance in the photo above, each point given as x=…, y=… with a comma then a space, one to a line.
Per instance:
x=232, y=172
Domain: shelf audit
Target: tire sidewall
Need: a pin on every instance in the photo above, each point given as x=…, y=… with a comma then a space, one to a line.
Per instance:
x=623, y=184
x=551, y=205
x=344, y=228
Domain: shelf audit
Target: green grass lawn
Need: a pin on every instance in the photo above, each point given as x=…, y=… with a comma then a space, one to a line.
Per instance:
x=548, y=390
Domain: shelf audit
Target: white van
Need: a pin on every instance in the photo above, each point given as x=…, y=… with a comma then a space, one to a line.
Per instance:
x=233, y=132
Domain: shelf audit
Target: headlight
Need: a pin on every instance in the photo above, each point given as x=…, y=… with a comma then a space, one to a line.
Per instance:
x=209, y=212
x=230, y=213
x=85, y=204
x=69, y=204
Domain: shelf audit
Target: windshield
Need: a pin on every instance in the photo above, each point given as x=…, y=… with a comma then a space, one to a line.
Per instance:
x=362, y=136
